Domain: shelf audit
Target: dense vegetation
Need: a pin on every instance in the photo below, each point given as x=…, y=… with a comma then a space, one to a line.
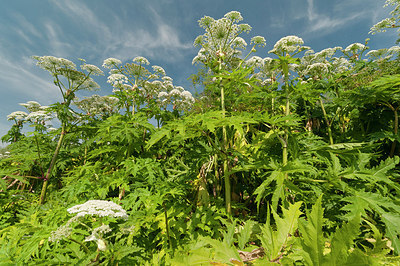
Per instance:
x=289, y=159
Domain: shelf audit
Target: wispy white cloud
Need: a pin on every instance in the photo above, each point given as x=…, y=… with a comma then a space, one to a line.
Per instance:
x=118, y=39
x=341, y=14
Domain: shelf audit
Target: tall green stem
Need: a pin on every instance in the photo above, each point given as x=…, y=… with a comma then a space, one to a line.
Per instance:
x=328, y=124
x=167, y=225
x=395, y=131
x=225, y=165
x=52, y=163
x=287, y=112
x=224, y=148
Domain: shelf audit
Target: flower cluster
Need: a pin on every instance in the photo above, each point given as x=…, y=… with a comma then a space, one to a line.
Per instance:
x=95, y=104
x=178, y=96
x=5, y=155
x=354, y=49
x=221, y=39
x=52, y=63
x=92, y=69
x=141, y=60
x=258, y=40
x=111, y=63
x=255, y=61
x=17, y=115
x=117, y=79
x=288, y=45
x=38, y=117
x=99, y=208
x=135, y=82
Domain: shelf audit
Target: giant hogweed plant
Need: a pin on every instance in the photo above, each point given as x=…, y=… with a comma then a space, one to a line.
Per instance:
x=68, y=80
x=170, y=180
x=138, y=88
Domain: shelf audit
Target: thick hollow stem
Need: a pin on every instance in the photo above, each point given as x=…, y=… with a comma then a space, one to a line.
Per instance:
x=395, y=131
x=167, y=225
x=287, y=112
x=52, y=163
x=225, y=165
x=328, y=124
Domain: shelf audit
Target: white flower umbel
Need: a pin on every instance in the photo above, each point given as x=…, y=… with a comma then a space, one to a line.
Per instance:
x=99, y=208
x=374, y=54
x=288, y=44
x=141, y=60
x=382, y=25
x=111, y=62
x=92, y=69
x=38, y=116
x=117, y=79
x=17, y=115
x=97, y=235
x=159, y=70
x=51, y=63
x=355, y=48
x=255, y=61
x=63, y=231
x=258, y=40
x=31, y=106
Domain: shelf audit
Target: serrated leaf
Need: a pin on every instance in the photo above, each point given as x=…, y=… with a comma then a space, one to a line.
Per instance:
x=275, y=242
x=312, y=236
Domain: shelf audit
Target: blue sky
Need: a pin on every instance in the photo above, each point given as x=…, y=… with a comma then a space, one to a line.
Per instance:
x=163, y=31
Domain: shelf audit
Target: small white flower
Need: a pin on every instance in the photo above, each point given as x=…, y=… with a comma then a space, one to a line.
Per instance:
x=63, y=231
x=17, y=115
x=92, y=69
x=377, y=53
x=141, y=60
x=31, y=106
x=199, y=58
x=255, y=61
x=234, y=16
x=167, y=79
x=394, y=49
x=355, y=48
x=258, y=40
x=100, y=208
x=382, y=25
x=111, y=62
x=239, y=42
x=117, y=79
x=38, y=116
x=159, y=70
x=288, y=44
x=175, y=92
x=162, y=94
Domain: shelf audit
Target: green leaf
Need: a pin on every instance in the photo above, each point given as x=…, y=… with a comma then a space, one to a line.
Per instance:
x=275, y=242
x=342, y=241
x=312, y=236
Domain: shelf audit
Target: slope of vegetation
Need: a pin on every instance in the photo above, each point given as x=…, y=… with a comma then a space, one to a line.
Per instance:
x=291, y=159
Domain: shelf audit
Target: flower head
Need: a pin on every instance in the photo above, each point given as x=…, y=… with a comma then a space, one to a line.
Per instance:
x=100, y=208
x=52, y=63
x=38, y=116
x=255, y=61
x=92, y=69
x=60, y=233
x=111, y=62
x=117, y=79
x=159, y=70
x=355, y=48
x=141, y=60
x=258, y=40
x=288, y=44
x=234, y=16
x=17, y=115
